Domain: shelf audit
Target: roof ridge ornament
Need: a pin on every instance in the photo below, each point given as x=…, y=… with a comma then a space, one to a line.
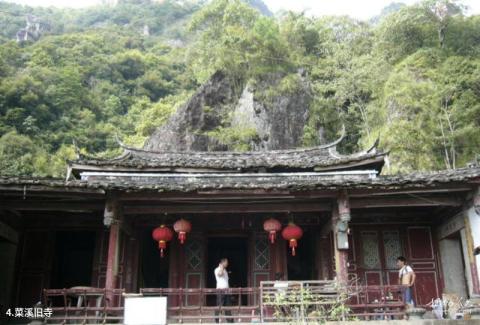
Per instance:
x=334, y=143
x=119, y=142
x=78, y=152
x=373, y=147
x=371, y=150
x=81, y=156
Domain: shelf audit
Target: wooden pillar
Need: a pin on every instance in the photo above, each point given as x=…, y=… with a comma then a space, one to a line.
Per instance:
x=472, y=225
x=112, y=218
x=326, y=251
x=340, y=218
x=279, y=251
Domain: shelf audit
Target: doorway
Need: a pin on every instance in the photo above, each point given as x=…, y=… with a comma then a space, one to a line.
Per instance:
x=73, y=261
x=301, y=267
x=154, y=269
x=8, y=252
x=453, y=266
x=236, y=250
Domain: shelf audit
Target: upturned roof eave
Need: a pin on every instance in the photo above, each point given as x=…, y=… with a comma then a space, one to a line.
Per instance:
x=144, y=165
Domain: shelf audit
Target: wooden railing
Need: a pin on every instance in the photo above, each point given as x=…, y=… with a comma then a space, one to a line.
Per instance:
x=302, y=301
x=84, y=305
x=97, y=305
x=200, y=305
x=314, y=301
x=376, y=302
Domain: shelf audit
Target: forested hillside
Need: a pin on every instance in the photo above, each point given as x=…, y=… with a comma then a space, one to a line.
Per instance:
x=410, y=76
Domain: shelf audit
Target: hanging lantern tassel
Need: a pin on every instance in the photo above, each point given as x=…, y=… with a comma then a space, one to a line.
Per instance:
x=162, y=245
x=182, y=236
x=293, y=245
x=272, y=235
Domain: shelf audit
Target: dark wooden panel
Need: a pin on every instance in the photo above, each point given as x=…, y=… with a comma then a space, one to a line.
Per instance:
x=373, y=278
x=31, y=286
x=100, y=259
x=392, y=277
x=325, y=258
x=193, y=280
x=423, y=265
x=426, y=287
x=420, y=243
x=36, y=249
x=422, y=258
x=257, y=278
x=352, y=261
x=35, y=268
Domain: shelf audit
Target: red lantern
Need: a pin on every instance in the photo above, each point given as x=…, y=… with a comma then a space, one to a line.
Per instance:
x=292, y=233
x=163, y=235
x=272, y=226
x=182, y=227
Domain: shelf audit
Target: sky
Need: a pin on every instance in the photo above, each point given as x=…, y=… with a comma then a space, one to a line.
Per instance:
x=360, y=9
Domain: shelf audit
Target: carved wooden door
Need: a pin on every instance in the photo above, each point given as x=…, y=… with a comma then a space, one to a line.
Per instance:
x=379, y=247
x=421, y=255
x=377, y=251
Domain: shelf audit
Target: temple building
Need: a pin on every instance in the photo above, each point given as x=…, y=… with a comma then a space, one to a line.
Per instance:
x=94, y=229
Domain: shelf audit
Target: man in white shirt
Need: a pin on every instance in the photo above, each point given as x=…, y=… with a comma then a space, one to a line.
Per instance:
x=406, y=278
x=223, y=299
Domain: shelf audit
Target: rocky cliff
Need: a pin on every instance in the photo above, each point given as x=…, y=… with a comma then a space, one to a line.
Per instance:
x=227, y=114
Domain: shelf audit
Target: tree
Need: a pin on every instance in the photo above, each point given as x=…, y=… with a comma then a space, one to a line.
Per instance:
x=18, y=155
x=224, y=27
x=404, y=32
x=441, y=12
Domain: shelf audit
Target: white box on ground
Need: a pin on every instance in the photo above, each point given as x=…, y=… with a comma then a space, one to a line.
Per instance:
x=145, y=310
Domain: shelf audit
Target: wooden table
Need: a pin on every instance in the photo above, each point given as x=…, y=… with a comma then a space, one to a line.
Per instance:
x=85, y=293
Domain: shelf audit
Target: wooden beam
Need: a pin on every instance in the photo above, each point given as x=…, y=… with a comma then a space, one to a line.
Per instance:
x=28, y=205
x=423, y=191
x=206, y=198
x=282, y=204
x=417, y=201
x=227, y=195
x=51, y=195
x=226, y=208
x=45, y=188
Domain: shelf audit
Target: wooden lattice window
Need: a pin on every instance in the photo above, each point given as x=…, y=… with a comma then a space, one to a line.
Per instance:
x=262, y=253
x=370, y=252
x=393, y=248
x=193, y=251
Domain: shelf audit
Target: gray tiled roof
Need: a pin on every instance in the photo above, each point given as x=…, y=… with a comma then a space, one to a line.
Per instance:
x=272, y=181
x=289, y=159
